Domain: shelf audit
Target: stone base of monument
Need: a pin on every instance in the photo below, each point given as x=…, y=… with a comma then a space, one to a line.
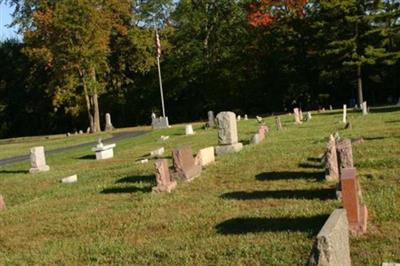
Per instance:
x=105, y=152
x=226, y=149
x=43, y=168
x=160, y=122
x=165, y=188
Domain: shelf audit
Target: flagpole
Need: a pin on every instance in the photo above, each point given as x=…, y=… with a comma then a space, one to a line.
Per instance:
x=159, y=72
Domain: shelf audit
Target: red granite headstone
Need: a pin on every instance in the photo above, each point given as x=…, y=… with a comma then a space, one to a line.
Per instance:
x=357, y=213
x=184, y=163
x=163, y=178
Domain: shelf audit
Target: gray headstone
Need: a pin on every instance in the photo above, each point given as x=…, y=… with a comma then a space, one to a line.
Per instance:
x=38, y=160
x=227, y=128
x=109, y=125
x=211, y=119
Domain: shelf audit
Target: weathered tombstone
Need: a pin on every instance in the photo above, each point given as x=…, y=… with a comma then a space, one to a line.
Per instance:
x=262, y=131
x=239, y=118
x=157, y=153
x=211, y=119
x=364, y=108
x=309, y=116
x=160, y=122
x=70, y=179
x=184, y=163
x=331, y=161
x=143, y=161
x=163, y=177
x=88, y=130
x=205, y=156
x=330, y=107
x=189, y=130
x=345, y=153
x=332, y=247
x=38, y=160
x=109, y=125
x=2, y=203
x=278, y=123
x=344, y=113
x=103, y=151
x=296, y=113
x=80, y=132
x=227, y=134
x=357, y=213
x=256, y=139
x=68, y=134
x=245, y=117
x=259, y=119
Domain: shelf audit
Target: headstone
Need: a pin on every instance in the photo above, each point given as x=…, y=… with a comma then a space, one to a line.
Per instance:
x=245, y=117
x=332, y=247
x=68, y=134
x=164, y=138
x=296, y=113
x=239, y=118
x=109, y=125
x=330, y=107
x=70, y=179
x=184, y=163
x=144, y=161
x=2, y=203
x=331, y=161
x=356, y=106
x=189, y=130
x=88, y=130
x=357, y=213
x=309, y=116
x=80, y=132
x=259, y=119
x=344, y=113
x=157, y=153
x=153, y=116
x=278, y=123
x=38, y=160
x=256, y=139
x=227, y=134
x=160, y=122
x=76, y=133
x=211, y=119
x=262, y=131
x=345, y=153
x=163, y=177
x=102, y=151
x=205, y=156
x=364, y=108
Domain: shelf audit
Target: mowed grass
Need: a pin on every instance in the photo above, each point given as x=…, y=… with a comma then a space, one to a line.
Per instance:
x=262, y=206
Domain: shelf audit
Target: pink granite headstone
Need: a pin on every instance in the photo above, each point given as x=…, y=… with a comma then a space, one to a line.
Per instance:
x=163, y=177
x=184, y=163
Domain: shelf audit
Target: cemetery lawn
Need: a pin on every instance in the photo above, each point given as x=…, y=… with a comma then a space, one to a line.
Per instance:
x=262, y=206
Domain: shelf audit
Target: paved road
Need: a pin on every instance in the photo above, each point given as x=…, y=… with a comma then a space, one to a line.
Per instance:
x=115, y=137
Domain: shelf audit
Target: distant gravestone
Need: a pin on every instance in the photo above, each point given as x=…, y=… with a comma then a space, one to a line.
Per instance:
x=330, y=107
x=331, y=161
x=2, y=203
x=259, y=119
x=296, y=113
x=157, y=153
x=80, y=132
x=205, y=156
x=189, y=130
x=227, y=134
x=239, y=118
x=159, y=122
x=88, y=130
x=109, y=125
x=309, y=116
x=332, y=247
x=364, y=108
x=344, y=113
x=38, y=160
x=256, y=139
x=102, y=151
x=163, y=177
x=211, y=119
x=278, y=123
x=184, y=163
x=70, y=179
x=246, y=117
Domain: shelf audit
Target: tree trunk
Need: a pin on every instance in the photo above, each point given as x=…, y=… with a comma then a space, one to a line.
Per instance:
x=95, y=105
x=88, y=102
x=359, y=86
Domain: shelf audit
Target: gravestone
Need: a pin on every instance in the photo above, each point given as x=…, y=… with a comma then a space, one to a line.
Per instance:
x=227, y=134
x=70, y=179
x=357, y=213
x=160, y=122
x=102, y=151
x=109, y=125
x=163, y=177
x=262, y=131
x=184, y=163
x=344, y=113
x=205, y=156
x=38, y=160
x=259, y=119
x=345, y=153
x=296, y=113
x=309, y=116
x=332, y=247
x=157, y=153
x=80, y=132
x=364, y=108
x=330, y=107
x=278, y=123
x=246, y=117
x=211, y=119
x=2, y=203
x=256, y=139
x=331, y=161
x=88, y=130
x=189, y=130
x=239, y=118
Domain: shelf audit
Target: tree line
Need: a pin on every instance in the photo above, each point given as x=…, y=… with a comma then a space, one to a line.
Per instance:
x=79, y=59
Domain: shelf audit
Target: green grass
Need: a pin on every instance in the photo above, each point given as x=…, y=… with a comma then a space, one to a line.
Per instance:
x=262, y=206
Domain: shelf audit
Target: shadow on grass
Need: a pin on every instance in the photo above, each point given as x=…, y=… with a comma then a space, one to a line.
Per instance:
x=384, y=109
x=374, y=138
x=137, y=179
x=314, y=159
x=88, y=157
x=14, y=171
x=244, y=225
x=392, y=121
x=311, y=165
x=289, y=175
x=322, y=194
x=117, y=190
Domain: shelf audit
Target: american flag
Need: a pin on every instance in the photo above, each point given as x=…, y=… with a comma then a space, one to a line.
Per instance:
x=158, y=44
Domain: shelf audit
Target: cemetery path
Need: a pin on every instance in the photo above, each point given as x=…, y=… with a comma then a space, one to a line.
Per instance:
x=115, y=137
